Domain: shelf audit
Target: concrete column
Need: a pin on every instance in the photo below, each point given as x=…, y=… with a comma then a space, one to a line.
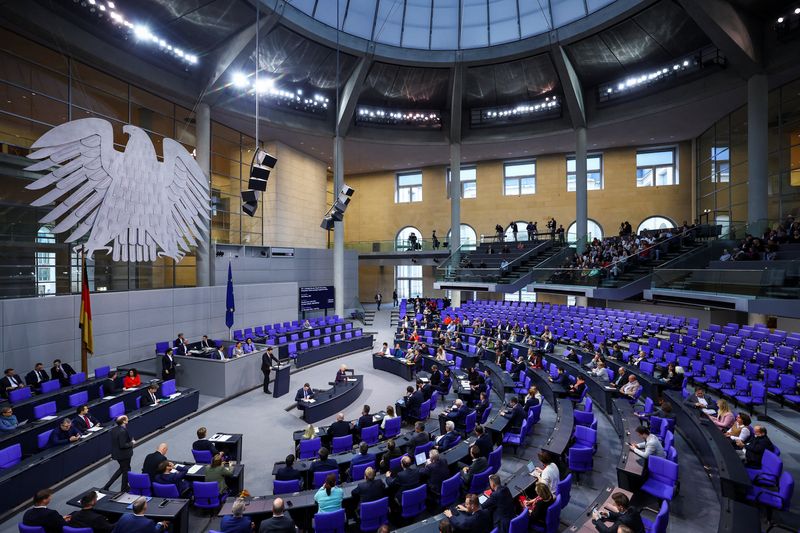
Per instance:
x=205, y=260
x=455, y=299
x=580, y=187
x=455, y=196
x=757, y=150
x=338, y=227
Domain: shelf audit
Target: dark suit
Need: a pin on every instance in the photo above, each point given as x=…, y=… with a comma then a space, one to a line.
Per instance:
x=181, y=349
x=413, y=403
x=478, y=465
x=533, y=401
x=341, y=376
x=360, y=458
x=448, y=440
x=427, y=391
x=340, y=428
x=121, y=452
x=445, y=384
x=205, y=444
x=89, y=518
x=288, y=473
x=418, y=439
x=562, y=379
x=631, y=518
x=207, y=343
x=577, y=391
x=62, y=374
x=754, y=450
x=406, y=479
x=130, y=523
x=149, y=399
x=323, y=466
x=303, y=394
x=8, y=382
x=277, y=524
x=485, y=444
x=266, y=366
x=501, y=506
x=516, y=416
x=434, y=475
x=151, y=462
x=436, y=378
x=34, y=380
x=365, y=421
x=79, y=422
x=458, y=416
x=175, y=478
x=478, y=522
x=480, y=408
x=369, y=491
x=50, y=520
x=168, y=367
x=110, y=387
x=59, y=437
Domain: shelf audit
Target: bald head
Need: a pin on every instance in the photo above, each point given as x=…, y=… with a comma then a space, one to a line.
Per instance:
x=277, y=507
x=163, y=448
x=339, y=417
x=459, y=403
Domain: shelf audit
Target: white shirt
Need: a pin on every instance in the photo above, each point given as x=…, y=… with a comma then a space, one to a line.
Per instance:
x=385, y=350
x=550, y=477
x=385, y=418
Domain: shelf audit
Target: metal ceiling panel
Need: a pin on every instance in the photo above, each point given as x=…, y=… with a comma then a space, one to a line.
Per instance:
x=406, y=87
x=510, y=83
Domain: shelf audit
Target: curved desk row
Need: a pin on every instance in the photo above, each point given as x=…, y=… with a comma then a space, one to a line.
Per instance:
x=559, y=439
x=335, y=349
x=24, y=409
x=53, y=465
x=394, y=365
x=333, y=400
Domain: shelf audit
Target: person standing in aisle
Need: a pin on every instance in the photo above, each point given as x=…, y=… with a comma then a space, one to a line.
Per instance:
x=378, y=299
x=121, y=452
x=395, y=303
x=266, y=365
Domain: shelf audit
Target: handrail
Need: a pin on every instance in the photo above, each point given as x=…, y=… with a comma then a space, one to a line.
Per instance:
x=648, y=249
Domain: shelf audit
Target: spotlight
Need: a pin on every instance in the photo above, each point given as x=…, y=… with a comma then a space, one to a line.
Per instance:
x=260, y=168
x=336, y=212
x=327, y=223
x=250, y=208
x=249, y=196
x=220, y=254
x=240, y=80
x=265, y=85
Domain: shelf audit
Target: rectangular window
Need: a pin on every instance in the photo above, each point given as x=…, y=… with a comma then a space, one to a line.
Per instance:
x=655, y=168
x=522, y=296
x=572, y=300
x=409, y=188
x=720, y=164
x=594, y=173
x=408, y=280
x=469, y=182
x=519, y=178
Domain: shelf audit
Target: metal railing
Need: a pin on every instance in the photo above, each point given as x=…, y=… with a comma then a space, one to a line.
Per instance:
x=766, y=283
x=396, y=245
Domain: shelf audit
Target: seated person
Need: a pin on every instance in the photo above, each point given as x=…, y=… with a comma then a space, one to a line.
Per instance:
x=88, y=517
x=481, y=406
x=601, y=373
x=370, y=489
x=388, y=416
x=365, y=420
x=549, y=475
x=154, y=459
x=724, y=418
x=484, y=441
x=576, y=391
x=449, y=439
x=288, y=472
x=167, y=476
x=219, y=354
x=280, y=522
x=110, y=386
x=132, y=379
x=624, y=515
x=137, y=522
x=8, y=420
x=638, y=358
x=202, y=443
x=478, y=465
x=205, y=343
x=363, y=456
x=37, y=376
x=631, y=388
x=218, y=472
x=10, y=382
x=392, y=452
x=755, y=447
x=238, y=349
x=341, y=375
x=650, y=446
x=237, y=522
x=561, y=378
x=150, y=395
x=621, y=379
x=470, y=517
x=447, y=380
x=435, y=472
x=532, y=399
x=537, y=507
x=83, y=422
x=65, y=433
x=306, y=393
x=458, y=413
x=48, y=519
x=516, y=415
x=500, y=504
x=249, y=346
x=408, y=478
x=329, y=497
x=323, y=464
x=61, y=372
x=340, y=428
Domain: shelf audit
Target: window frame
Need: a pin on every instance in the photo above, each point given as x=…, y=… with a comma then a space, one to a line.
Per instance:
x=519, y=179
x=717, y=164
x=463, y=181
x=398, y=188
x=404, y=283
x=654, y=168
x=598, y=155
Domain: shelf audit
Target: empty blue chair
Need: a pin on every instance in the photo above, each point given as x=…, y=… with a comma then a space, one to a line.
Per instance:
x=370, y=434
x=78, y=378
x=486, y=413
x=309, y=448
x=45, y=409
x=43, y=439
x=161, y=347
x=374, y=514
x=423, y=448
x=519, y=524
x=50, y=386
x=206, y=494
x=319, y=478
x=68, y=529
x=30, y=529
x=770, y=471
x=285, y=487
x=101, y=372
x=115, y=410
x=166, y=490
x=661, y=478
x=495, y=459
x=168, y=388
x=580, y=460
x=392, y=427
x=139, y=484
x=480, y=481
x=394, y=464
x=583, y=418
x=10, y=456
x=330, y=522
x=516, y=439
x=79, y=398
x=451, y=488
x=770, y=498
x=342, y=444
x=469, y=422
x=661, y=521
x=585, y=437
x=202, y=456
x=19, y=395
x=412, y=502
x=565, y=490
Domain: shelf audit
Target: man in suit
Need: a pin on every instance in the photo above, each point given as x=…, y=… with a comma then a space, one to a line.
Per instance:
x=65, y=433
x=365, y=420
x=427, y=390
x=41, y=516
x=154, y=459
x=136, y=522
x=121, y=452
x=10, y=382
x=484, y=441
x=83, y=421
x=436, y=377
x=363, y=455
x=500, y=504
x=267, y=358
x=370, y=489
x=150, y=395
x=306, y=393
x=181, y=349
x=202, y=443
x=219, y=355
x=110, y=386
x=168, y=476
x=408, y=478
x=279, y=522
x=478, y=465
x=625, y=515
x=449, y=439
x=413, y=402
x=516, y=415
x=323, y=464
x=435, y=472
x=179, y=341
x=458, y=414
x=560, y=379
x=470, y=516
x=755, y=447
x=37, y=376
x=288, y=472
x=621, y=380
x=87, y=517
x=61, y=372
x=341, y=375
x=650, y=446
x=206, y=343
x=168, y=365
x=340, y=428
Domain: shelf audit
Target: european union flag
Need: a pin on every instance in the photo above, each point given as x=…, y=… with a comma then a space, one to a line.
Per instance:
x=230, y=307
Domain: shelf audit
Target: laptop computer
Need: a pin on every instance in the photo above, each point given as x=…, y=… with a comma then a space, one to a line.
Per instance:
x=531, y=467
x=420, y=458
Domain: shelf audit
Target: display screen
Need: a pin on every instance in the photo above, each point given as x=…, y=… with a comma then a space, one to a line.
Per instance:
x=316, y=298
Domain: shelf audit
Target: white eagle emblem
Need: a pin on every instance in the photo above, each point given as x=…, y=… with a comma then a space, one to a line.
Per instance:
x=133, y=206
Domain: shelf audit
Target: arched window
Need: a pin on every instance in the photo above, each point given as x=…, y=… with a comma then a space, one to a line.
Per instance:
x=45, y=264
x=592, y=228
x=468, y=236
x=655, y=223
x=522, y=234
x=402, y=241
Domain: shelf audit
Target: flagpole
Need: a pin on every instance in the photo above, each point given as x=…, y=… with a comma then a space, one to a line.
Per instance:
x=84, y=351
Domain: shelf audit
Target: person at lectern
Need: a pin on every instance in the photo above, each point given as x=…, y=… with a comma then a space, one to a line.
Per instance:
x=266, y=364
x=341, y=375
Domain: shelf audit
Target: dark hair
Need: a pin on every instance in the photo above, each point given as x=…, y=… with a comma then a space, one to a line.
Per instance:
x=745, y=418
x=545, y=457
x=41, y=496
x=641, y=430
x=217, y=460
x=135, y=373
x=80, y=408
x=88, y=499
x=330, y=482
x=201, y=432
x=169, y=351
x=363, y=448
x=445, y=526
x=479, y=429
x=290, y=459
x=474, y=451
x=7, y=370
x=323, y=453
x=163, y=465
x=390, y=444
x=419, y=426
x=621, y=500
x=366, y=409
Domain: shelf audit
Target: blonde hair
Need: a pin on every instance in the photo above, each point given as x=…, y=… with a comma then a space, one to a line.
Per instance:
x=309, y=433
x=723, y=407
x=543, y=491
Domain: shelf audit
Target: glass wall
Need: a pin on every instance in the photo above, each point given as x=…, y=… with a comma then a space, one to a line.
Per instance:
x=40, y=89
x=721, y=155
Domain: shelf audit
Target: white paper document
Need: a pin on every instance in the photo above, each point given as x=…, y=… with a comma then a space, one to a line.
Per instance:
x=195, y=469
x=49, y=417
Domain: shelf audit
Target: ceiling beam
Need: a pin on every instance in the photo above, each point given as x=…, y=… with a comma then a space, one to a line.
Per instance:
x=455, y=100
x=738, y=36
x=571, y=85
x=348, y=98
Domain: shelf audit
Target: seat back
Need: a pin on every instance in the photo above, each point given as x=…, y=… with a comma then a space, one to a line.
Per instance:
x=168, y=388
x=358, y=470
x=165, y=490
x=68, y=529
x=553, y=516
x=202, y=456
x=43, y=439
x=370, y=434
x=285, y=487
x=394, y=464
x=101, y=372
x=495, y=458
x=309, y=448
x=330, y=522
x=412, y=502
x=140, y=484
x=469, y=423
x=423, y=448
x=392, y=427
x=206, y=494
x=480, y=481
x=519, y=524
x=10, y=456
x=44, y=409
x=565, y=490
x=19, y=395
x=319, y=477
x=342, y=444
x=662, y=471
x=662, y=519
x=450, y=490
x=115, y=410
x=75, y=379
x=583, y=418
x=50, y=386
x=30, y=529
x=585, y=436
x=374, y=514
x=79, y=398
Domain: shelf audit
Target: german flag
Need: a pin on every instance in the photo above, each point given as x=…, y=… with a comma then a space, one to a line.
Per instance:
x=85, y=322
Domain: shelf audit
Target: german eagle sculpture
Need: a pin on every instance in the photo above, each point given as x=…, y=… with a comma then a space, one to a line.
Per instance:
x=131, y=205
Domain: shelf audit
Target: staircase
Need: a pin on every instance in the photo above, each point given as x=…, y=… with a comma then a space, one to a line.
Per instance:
x=369, y=318
x=640, y=270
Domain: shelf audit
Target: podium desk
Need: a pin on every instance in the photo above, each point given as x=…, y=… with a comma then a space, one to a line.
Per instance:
x=280, y=385
x=329, y=402
x=394, y=365
x=230, y=446
x=175, y=510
